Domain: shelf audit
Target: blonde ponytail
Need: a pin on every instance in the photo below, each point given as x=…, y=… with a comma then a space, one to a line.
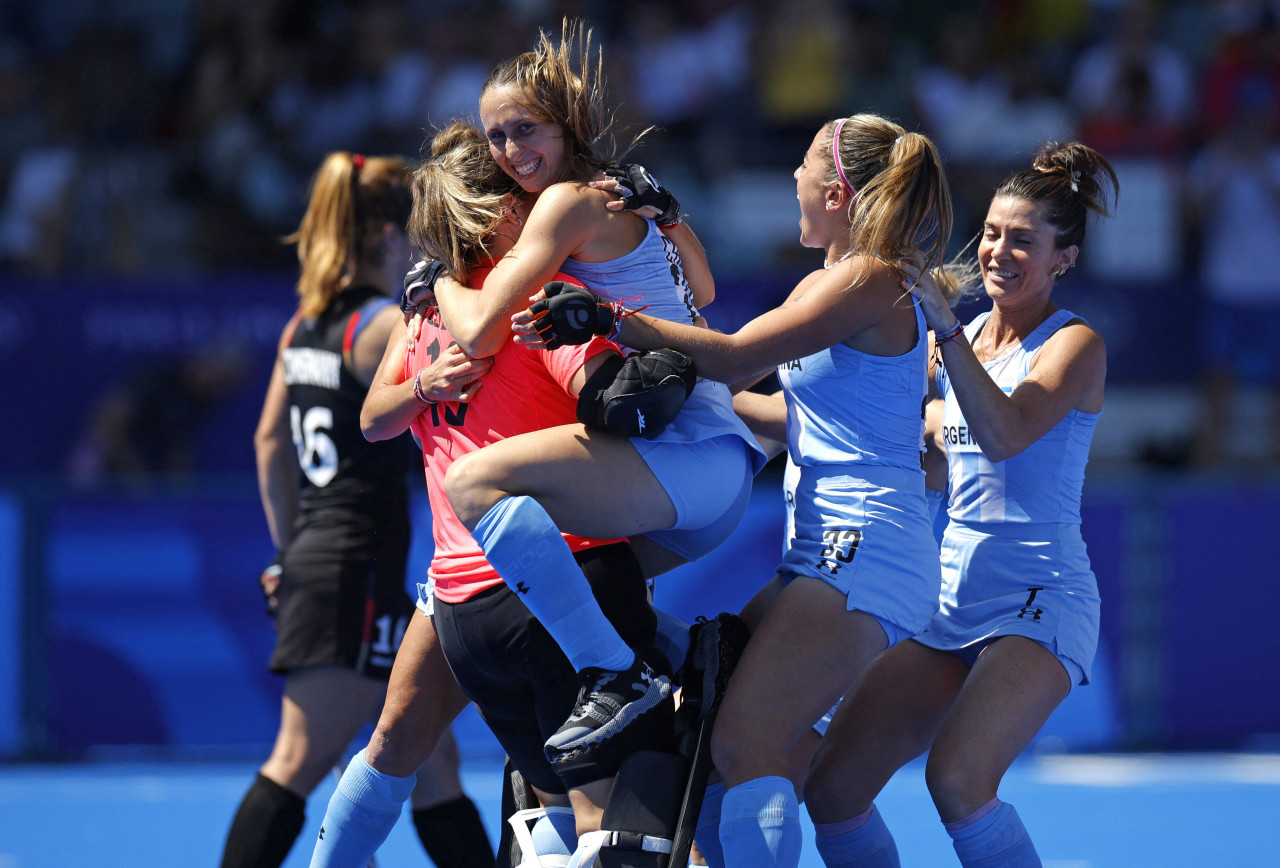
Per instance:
x=900, y=202
x=351, y=198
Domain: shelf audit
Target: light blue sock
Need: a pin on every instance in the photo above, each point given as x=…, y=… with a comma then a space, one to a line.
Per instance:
x=760, y=824
x=707, y=834
x=864, y=842
x=555, y=834
x=993, y=837
x=525, y=547
x=361, y=813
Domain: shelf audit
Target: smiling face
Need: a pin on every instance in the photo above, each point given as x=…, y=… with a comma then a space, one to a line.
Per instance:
x=528, y=148
x=1017, y=254
x=821, y=211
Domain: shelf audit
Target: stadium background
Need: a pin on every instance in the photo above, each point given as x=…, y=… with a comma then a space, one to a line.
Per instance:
x=153, y=152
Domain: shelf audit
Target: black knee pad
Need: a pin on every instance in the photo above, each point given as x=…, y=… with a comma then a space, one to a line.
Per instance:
x=637, y=396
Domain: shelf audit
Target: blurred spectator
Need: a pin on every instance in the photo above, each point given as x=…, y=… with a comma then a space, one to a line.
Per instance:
x=72, y=198
x=798, y=46
x=1132, y=80
x=36, y=209
x=1247, y=59
x=952, y=87
x=987, y=109
x=686, y=70
x=1234, y=206
x=203, y=116
x=22, y=100
x=1133, y=93
x=432, y=75
x=879, y=67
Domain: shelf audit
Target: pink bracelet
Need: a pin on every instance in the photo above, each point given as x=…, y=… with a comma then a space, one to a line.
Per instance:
x=417, y=388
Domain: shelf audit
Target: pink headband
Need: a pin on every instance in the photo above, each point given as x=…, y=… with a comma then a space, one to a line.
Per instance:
x=835, y=156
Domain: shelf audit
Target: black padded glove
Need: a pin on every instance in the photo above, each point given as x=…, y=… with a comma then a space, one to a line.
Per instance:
x=571, y=315
x=640, y=189
x=419, y=283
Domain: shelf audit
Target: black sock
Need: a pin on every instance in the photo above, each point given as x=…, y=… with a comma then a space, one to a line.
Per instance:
x=453, y=834
x=264, y=829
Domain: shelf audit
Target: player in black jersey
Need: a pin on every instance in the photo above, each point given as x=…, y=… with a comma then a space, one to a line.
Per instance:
x=337, y=509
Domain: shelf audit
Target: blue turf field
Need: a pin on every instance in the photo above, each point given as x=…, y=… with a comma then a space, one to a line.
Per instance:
x=1085, y=811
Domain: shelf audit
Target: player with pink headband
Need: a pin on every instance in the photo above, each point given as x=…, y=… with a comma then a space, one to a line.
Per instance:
x=835, y=157
x=861, y=570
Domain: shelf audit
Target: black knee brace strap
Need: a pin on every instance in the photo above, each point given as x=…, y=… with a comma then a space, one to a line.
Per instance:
x=637, y=396
x=642, y=813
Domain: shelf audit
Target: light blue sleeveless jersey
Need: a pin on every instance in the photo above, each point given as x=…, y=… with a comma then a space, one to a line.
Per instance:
x=845, y=406
x=652, y=277
x=859, y=519
x=1013, y=560
x=1041, y=484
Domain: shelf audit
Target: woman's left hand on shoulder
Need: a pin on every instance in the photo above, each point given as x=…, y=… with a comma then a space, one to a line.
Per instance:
x=638, y=191
x=922, y=285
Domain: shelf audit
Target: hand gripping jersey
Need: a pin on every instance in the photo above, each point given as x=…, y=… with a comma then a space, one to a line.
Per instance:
x=1039, y=485
x=525, y=390
x=652, y=277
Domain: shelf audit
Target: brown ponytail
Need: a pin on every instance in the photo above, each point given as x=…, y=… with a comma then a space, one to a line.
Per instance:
x=1066, y=182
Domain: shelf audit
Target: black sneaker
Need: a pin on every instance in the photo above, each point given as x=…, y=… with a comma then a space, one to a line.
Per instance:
x=608, y=702
x=715, y=646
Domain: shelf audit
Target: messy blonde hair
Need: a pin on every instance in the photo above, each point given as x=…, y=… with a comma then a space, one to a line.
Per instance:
x=564, y=83
x=459, y=199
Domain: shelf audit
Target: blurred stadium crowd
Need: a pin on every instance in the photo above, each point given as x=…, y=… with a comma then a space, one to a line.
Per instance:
x=159, y=135
x=151, y=139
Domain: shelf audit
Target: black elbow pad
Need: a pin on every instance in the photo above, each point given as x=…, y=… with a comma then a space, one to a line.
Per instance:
x=637, y=396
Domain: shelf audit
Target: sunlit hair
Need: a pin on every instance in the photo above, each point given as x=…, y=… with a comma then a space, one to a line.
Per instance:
x=565, y=84
x=960, y=279
x=459, y=198
x=900, y=201
x=348, y=209
x=1065, y=183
